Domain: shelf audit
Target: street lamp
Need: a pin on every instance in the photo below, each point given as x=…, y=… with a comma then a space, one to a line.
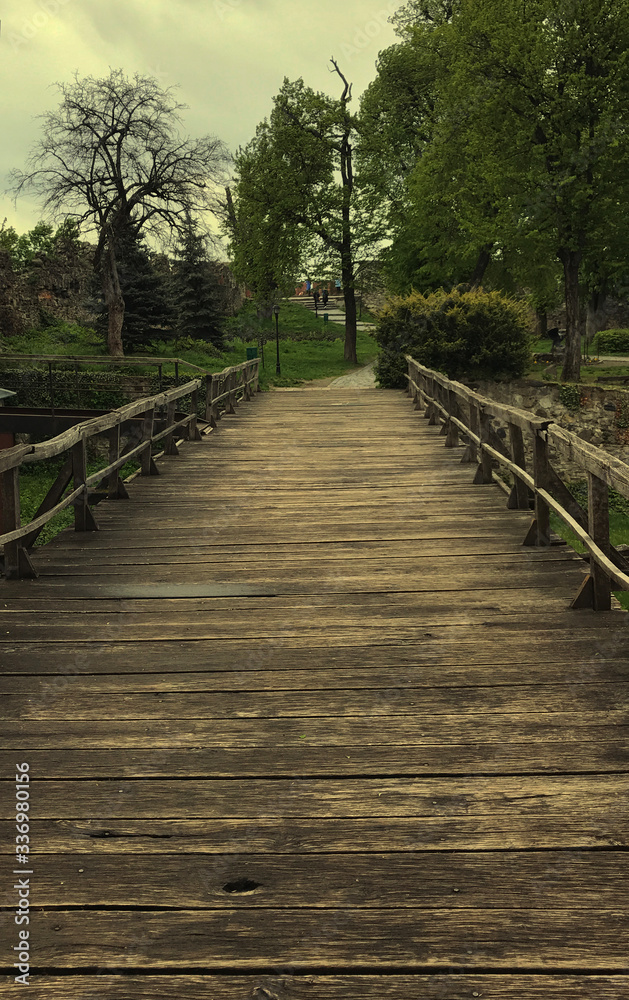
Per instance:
x=276, y=313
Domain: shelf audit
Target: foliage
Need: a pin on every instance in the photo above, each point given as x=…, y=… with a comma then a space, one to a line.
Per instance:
x=612, y=342
x=296, y=182
x=58, y=337
x=196, y=295
x=41, y=241
x=462, y=333
x=111, y=157
x=149, y=312
x=570, y=397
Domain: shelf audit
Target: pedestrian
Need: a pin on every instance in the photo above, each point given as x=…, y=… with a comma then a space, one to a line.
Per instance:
x=325, y=296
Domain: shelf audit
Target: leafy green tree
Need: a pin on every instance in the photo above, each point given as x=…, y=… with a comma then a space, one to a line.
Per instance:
x=296, y=178
x=111, y=156
x=41, y=241
x=546, y=90
x=196, y=294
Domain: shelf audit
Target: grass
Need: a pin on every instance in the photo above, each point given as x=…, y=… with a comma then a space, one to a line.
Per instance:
x=618, y=526
x=36, y=480
x=309, y=348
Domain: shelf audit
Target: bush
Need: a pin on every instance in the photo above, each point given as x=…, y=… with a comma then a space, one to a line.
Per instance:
x=473, y=334
x=612, y=342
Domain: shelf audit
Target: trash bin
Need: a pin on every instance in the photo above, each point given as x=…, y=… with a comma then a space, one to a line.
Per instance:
x=325, y=317
x=252, y=352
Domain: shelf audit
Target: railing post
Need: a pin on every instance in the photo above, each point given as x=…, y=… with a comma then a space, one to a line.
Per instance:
x=17, y=564
x=231, y=388
x=452, y=439
x=170, y=447
x=470, y=455
x=256, y=384
x=596, y=591
x=417, y=393
x=484, y=472
x=519, y=496
x=115, y=487
x=83, y=518
x=194, y=406
x=148, y=464
x=539, y=532
x=208, y=399
x=431, y=411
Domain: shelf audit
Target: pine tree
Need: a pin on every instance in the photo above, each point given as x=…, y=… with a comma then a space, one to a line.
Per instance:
x=196, y=290
x=149, y=314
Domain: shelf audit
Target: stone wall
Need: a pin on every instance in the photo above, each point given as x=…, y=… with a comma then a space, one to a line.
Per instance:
x=61, y=287
x=598, y=415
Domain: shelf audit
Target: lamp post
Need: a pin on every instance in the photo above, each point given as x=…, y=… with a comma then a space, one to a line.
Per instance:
x=276, y=313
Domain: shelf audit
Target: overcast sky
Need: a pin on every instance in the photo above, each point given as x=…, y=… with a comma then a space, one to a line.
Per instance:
x=229, y=58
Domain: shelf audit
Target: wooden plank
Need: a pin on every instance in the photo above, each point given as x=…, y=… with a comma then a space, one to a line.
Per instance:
x=505, y=939
x=583, y=828
x=509, y=700
x=323, y=731
x=392, y=678
x=314, y=987
x=318, y=798
x=458, y=647
x=575, y=880
x=605, y=755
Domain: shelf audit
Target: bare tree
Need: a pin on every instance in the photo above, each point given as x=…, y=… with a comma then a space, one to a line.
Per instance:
x=112, y=157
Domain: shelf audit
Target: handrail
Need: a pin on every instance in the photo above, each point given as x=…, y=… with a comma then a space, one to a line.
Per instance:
x=466, y=413
x=222, y=390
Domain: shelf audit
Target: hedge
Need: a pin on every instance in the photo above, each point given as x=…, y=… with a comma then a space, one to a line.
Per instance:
x=463, y=333
x=612, y=342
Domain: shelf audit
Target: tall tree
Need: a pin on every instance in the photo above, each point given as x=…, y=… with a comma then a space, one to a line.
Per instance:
x=196, y=294
x=547, y=92
x=111, y=156
x=298, y=173
x=149, y=314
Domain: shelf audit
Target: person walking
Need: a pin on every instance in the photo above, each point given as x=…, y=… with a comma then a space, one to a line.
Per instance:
x=316, y=297
x=325, y=296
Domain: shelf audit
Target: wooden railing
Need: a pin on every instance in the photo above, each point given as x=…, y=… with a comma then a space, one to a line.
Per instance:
x=150, y=421
x=525, y=446
x=75, y=361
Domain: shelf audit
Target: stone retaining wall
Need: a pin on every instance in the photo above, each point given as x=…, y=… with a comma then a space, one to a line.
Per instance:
x=598, y=415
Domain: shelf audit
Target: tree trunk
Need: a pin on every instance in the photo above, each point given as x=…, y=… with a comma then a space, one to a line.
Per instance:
x=595, y=313
x=115, y=303
x=571, y=260
x=482, y=263
x=349, y=297
x=541, y=326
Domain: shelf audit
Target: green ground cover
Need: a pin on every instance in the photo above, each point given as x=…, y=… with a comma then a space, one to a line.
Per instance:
x=618, y=525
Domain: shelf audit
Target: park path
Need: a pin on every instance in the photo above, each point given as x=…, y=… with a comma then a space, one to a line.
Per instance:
x=305, y=720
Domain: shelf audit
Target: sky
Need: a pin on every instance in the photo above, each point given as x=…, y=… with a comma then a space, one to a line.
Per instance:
x=227, y=57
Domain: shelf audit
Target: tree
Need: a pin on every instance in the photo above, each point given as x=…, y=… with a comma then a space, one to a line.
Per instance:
x=149, y=314
x=111, y=157
x=547, y=93
x=265, y=252
x=297, y=175
x=41, y=241
x=196, y=294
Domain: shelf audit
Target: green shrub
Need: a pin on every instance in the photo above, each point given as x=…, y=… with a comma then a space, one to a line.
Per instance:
x=472, y=334
x=612, y=342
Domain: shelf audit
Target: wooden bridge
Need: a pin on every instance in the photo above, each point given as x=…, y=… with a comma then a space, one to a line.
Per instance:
x=305, y=719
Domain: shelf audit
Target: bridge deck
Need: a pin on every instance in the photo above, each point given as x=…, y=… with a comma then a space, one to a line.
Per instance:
x=305, y=720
